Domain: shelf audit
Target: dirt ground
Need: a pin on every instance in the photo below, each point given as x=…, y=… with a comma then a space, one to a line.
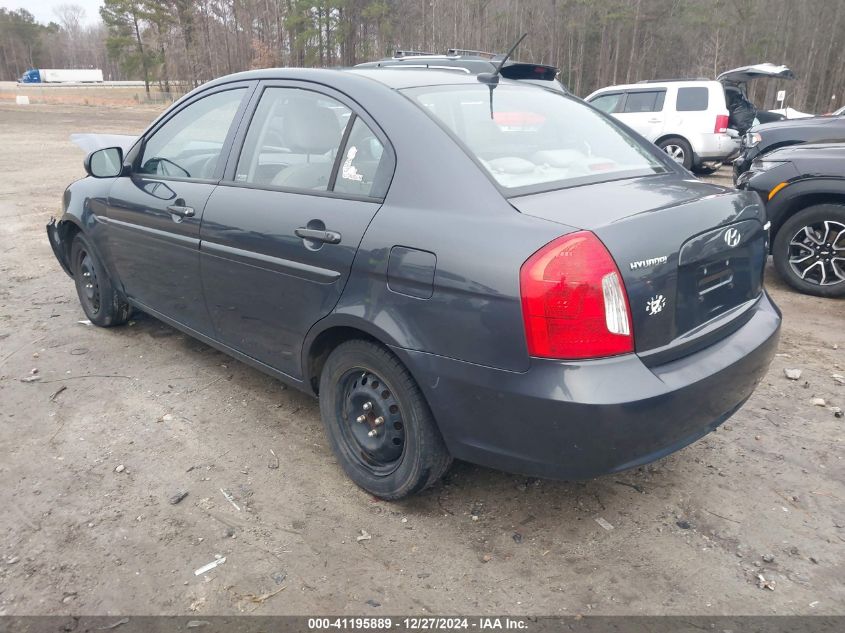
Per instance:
x=691, y=534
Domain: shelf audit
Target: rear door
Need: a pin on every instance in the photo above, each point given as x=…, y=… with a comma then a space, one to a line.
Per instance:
x=154, y=214
x=643, y=111
x=280, y=232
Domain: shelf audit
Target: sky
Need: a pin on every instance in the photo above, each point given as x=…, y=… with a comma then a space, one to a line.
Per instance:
x=43, y=9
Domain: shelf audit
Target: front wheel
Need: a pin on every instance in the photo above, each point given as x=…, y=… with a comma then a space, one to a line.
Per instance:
x=678, y=149
x=378, y=423
x=809, y=250
x=102, y=304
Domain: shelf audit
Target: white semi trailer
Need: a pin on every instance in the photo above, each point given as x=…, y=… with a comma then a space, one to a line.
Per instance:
x=62, y=75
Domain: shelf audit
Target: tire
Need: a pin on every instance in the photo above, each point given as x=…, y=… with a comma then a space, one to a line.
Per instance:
x=407, y=453
x=815, y=235
x=102, y=304
x=678, y=149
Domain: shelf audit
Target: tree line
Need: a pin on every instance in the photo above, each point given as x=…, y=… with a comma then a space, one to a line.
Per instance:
x=176, y=44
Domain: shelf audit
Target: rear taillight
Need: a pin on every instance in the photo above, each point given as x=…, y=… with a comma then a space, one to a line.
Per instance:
x=721, y=124
x=574, y=303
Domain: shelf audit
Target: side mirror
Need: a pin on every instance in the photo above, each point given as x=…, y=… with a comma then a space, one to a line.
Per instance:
x=104, y=163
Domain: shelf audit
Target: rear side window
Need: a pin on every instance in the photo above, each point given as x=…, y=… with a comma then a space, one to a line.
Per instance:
x=692, y=99
x=607, y=103
x=650, y=101
x=362, y=164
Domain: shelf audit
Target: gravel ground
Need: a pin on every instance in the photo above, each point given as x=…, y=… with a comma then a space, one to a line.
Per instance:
x=122, y=420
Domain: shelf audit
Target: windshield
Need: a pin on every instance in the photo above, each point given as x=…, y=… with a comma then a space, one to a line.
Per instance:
x=527, y=137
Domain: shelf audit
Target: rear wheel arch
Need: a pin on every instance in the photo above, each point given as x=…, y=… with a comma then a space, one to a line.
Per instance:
x=333, y=331
x=322, y=344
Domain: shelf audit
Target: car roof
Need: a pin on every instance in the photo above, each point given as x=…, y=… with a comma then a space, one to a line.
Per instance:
x=651, y=85
x=395, y=78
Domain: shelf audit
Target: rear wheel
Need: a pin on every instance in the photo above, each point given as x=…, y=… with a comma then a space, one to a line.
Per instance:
x=678, y=149
x=102, y=304
x=809, y=250
x=378, y=423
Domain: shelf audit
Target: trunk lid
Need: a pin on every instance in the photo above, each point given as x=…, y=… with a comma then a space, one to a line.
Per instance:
x=744, y=74
x=691, y=254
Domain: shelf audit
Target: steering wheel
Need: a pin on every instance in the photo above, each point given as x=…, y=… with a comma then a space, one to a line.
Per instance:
x=157, y=162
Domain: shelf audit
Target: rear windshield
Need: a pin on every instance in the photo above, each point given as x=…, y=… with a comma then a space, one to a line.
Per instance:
x=534, y=139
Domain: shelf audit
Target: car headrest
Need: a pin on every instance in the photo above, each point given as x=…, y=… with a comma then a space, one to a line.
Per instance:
x=310, y=129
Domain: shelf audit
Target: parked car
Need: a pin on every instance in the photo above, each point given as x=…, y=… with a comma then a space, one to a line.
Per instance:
x=457, y=265
x=689, y=119
x=472, y=62
x=764, y=138
x=804, y=186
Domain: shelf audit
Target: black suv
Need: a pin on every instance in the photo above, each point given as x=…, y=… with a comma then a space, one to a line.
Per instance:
x=804, y=186
x=766, y=137
x=472, y=62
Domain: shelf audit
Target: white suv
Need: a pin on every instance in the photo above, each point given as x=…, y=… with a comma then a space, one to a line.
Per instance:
x=687, y=119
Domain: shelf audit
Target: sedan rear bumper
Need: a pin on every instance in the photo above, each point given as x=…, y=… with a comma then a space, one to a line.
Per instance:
x=577, y=420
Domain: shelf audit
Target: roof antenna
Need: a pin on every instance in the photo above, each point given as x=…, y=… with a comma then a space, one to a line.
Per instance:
x=493, y=78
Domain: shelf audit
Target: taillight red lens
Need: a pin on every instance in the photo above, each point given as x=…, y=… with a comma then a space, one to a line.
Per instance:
x=574, y=303
x=721, y=124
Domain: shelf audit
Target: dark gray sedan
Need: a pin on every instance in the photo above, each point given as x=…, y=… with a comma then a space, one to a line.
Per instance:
x=456, y=266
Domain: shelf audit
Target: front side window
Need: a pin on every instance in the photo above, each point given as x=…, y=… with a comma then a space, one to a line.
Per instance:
x=293, y=140
x=692, y=99
x=650, y=101
x=607, y=103
x=531, y=138
x=190, y=143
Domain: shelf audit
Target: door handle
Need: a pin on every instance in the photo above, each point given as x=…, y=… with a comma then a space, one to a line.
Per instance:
x=655, y=120
x=318, y=235
x=181, y=210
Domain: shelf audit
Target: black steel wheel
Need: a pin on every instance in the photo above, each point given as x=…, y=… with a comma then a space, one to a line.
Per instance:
x=809, y=250
x=378, y=423
x=102, y=304
x=371, y=420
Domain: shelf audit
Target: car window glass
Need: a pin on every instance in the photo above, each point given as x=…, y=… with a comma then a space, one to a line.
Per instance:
x=607, y=103
x=524, y=137
x=362, y=162
x=651, y=101
x=190, y=143
x=692, y=99
x=293, y=139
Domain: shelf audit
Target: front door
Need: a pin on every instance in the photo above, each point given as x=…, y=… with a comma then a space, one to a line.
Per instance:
x=281, y=230
x=643, y=111
x=154, y=214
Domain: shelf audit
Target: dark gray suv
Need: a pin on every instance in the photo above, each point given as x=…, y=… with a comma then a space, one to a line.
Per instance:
x=457, y=267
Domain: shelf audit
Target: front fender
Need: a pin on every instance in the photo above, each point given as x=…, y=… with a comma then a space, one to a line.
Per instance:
x=57, y=234
x=802, y=193
x=84, y=202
